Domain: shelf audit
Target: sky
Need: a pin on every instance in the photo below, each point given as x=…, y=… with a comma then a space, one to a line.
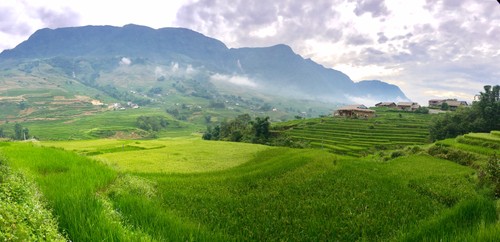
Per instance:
x=429, y=48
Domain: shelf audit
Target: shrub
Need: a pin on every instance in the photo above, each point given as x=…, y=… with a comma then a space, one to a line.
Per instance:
x=23, y=216
x=152, y=123
x=397, y=154
x=448, y=153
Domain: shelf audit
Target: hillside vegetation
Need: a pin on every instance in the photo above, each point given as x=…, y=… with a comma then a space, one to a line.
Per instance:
x=358, y=137
x=270, y=193
x=482, y=116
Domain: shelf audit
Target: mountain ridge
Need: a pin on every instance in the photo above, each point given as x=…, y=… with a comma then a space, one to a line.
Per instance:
x=276, y=69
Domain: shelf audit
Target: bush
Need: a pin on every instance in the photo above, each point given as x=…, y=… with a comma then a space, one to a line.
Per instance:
x=422, y=110
x=483, y=116
x=397, y=154
x=23, y=216
x=152, y=123
x=493, y=173
x=448, y=153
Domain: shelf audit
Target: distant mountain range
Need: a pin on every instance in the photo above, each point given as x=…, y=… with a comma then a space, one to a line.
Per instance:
x=274, y=70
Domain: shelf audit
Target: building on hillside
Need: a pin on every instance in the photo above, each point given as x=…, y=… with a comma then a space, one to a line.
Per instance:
x=408, y=106
x=453, y=104
x=386, y=104
x=96, y=103
x=436, y=102
x=355, y=111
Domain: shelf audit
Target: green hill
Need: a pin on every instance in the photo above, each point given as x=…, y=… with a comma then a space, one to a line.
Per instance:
x=357, y=137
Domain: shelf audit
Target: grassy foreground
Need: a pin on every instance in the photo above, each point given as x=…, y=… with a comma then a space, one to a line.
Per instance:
x=264, y=194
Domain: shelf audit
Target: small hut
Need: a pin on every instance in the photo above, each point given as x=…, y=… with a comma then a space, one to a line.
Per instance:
x=408, y=106
x=355, y=111
x=386, y=104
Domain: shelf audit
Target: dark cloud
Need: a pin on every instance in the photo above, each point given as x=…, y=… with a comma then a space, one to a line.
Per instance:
x=21, y=19
x=238, y=20
x=358, y=39
x=382, y=38
x=376, y=8
x=9, y=23
x=51, y=18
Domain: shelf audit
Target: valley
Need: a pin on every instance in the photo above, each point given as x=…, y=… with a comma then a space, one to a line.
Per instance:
x=139, y=134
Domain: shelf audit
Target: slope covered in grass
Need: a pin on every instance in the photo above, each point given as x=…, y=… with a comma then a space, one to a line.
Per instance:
x=23, y=214
x=272, y=194
x=357, y=137
x=186, y=155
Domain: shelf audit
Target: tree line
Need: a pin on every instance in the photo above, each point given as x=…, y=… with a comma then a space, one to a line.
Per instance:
x=241, y=129
x=20, y=132
x=482, y=116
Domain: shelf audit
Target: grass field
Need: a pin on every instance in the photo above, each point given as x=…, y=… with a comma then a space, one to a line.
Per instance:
x=477, y=148
x=120, y=124
x=181, y=155
x=189, y=189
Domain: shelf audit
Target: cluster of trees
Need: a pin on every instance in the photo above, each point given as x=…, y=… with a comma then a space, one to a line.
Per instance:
x=482, y=116
x=152, y=123
x=20, y=132
x=241, y=129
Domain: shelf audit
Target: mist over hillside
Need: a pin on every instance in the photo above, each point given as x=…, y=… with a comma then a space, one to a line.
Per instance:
x=91, y=52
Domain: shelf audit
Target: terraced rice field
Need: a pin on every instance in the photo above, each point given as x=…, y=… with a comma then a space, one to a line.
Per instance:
x=480, y=145
x=357, y=137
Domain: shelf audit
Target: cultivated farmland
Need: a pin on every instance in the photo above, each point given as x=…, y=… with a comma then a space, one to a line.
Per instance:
x=357, y=137
x=241, y=192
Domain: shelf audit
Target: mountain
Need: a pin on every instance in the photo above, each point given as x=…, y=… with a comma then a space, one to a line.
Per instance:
x=274, y=70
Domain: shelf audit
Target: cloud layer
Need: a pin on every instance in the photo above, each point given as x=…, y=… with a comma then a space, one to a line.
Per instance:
x=21, y=18
x=431, y=48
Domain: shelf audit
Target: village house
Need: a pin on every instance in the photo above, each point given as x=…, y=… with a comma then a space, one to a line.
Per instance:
x=453, y=104
x=386, y=104
x=96, y=103
x=408, y=106
x=436, y=102
x=355, y=111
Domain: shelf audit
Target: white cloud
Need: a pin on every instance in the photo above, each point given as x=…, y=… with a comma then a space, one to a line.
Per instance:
x=177, y=70
x=370, y=101
x=159, y=72
x=125, y=61
x=234, y=79
x=420, y=45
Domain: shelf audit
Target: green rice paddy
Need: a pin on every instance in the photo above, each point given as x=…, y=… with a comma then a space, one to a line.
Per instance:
x=358, y=137
x=189, y=189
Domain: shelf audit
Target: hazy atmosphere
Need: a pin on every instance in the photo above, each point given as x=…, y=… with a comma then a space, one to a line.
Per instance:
x=218, y=120
x=431, y=49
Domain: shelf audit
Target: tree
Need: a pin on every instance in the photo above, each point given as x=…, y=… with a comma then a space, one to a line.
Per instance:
x=25, y=133
x=208, y=119
x=151, y=123
x=155, y=90
x=482, y=116
x=489, y=107
x=261, y=130
x=2, y=134
x=207, y=135
x=445, y=106
x=20, y=133
x=23, y=105
x=240, y=129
